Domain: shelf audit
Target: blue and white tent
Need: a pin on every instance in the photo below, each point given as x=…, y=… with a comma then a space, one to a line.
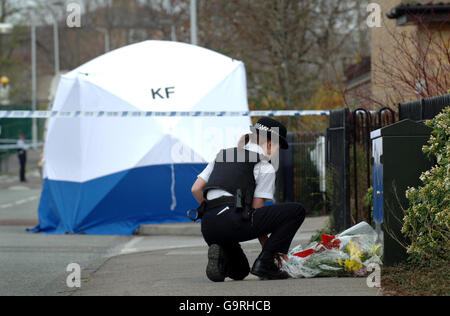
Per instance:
x=108, y=176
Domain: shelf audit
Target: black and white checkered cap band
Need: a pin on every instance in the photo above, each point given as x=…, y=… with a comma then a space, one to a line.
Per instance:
x=261, y=127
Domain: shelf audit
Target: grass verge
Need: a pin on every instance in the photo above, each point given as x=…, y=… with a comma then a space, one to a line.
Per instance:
x=412, y=280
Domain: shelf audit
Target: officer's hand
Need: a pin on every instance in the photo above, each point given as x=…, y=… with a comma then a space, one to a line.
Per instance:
x=262, y=240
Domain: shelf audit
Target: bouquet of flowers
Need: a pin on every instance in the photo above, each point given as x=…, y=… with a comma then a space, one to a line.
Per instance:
x=347, y=254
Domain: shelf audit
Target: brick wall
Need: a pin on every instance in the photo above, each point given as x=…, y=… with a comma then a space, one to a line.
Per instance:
x=383, y=45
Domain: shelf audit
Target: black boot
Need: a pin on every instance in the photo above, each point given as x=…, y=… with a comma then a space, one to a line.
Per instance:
x=238, y=266
x=266, y=269
x=216, y=270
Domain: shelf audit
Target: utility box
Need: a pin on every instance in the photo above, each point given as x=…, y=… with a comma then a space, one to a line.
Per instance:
x=398, y=162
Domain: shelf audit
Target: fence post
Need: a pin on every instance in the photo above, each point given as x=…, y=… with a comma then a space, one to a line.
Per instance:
x=339, y=167
x=364, y=134
x=288, y=170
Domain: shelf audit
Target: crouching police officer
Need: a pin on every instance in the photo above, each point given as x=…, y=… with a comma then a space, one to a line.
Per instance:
x=232, y=191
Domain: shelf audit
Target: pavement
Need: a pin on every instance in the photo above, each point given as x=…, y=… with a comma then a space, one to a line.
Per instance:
x=9, y=172
x=163, y=260
x=175, y=266
x=180, y=272
x=309, y=227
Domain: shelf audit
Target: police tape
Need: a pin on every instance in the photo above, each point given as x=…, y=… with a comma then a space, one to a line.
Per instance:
x=141, y=114
x=28, y=146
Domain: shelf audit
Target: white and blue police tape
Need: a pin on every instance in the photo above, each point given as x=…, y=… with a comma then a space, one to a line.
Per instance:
x=14, y=147
x=140, y=114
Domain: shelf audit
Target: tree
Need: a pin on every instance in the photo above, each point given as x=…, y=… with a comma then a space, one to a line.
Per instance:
x=338, y=30
x=417, y=67
x=273, y=40
x=290, y=47
x=413, y=64
x=12, y=65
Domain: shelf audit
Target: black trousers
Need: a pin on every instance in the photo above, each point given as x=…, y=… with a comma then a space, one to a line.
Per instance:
x=228, y=229
x=23, y=161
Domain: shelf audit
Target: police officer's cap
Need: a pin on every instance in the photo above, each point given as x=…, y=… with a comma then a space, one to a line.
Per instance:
x=274, y=127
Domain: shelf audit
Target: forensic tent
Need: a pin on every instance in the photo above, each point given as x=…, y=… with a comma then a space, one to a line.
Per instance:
x=108, y=175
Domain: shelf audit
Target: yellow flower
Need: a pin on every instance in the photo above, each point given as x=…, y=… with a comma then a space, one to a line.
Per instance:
x=354, y=263
x=353, y=251
x=375, y=250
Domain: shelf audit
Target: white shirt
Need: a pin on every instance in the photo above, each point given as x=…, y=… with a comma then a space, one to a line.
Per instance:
x=264, y=173
x=22, y=145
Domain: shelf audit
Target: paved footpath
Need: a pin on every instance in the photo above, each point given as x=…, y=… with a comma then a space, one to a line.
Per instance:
x=9, y=177
x=163, y=260
x=175, y=266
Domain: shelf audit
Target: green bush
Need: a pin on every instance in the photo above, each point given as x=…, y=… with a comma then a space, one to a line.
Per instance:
x=427, y=220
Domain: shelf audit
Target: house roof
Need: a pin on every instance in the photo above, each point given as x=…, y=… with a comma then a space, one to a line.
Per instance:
x=358, y=70
x=418, y=8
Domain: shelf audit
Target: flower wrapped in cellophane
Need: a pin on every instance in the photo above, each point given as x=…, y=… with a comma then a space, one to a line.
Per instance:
x=347, y=254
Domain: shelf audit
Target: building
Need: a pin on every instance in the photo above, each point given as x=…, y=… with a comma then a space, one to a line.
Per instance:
x=121, y=23
x=358, y=83
x=409, y=55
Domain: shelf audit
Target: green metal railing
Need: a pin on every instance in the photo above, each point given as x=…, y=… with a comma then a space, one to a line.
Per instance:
x=10, y=130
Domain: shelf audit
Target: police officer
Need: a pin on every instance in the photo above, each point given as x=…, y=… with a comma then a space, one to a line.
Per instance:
x=22, y=155
x=233, y=191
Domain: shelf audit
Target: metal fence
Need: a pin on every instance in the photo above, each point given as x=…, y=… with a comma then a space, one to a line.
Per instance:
x=349, y=152
x=338, y=162
x=10, y=130
x=424, y=109
x=301, y=176
x=349, y=155
x=362, y=123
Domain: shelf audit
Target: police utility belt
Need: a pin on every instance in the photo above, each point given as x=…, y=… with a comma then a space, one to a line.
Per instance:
x=241, y=202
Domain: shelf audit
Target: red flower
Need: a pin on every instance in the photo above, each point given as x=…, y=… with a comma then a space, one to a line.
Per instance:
x=305, y=253
x=328, y=242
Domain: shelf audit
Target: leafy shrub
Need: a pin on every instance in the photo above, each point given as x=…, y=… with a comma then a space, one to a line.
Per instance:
x=427, y=220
